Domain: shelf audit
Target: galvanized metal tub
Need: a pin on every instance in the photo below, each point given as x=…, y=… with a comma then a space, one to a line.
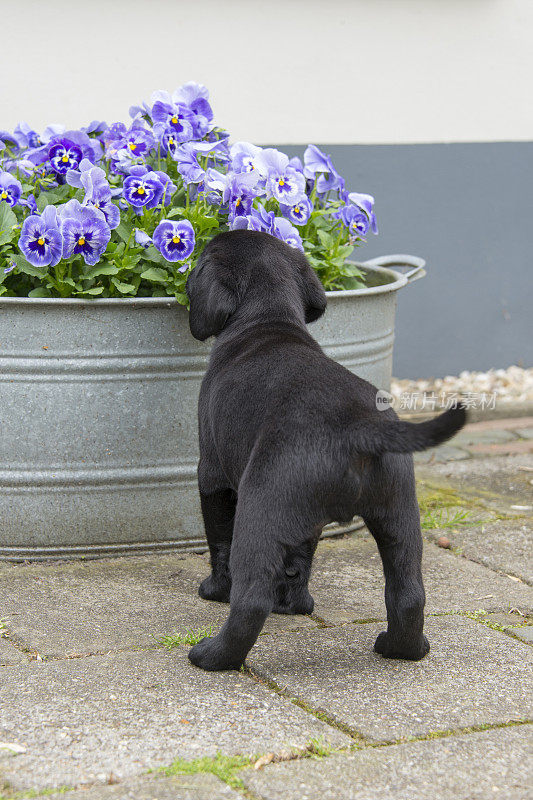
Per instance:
x=98, y=432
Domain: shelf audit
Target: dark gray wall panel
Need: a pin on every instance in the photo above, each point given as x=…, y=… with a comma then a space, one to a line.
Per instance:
x=468, y=210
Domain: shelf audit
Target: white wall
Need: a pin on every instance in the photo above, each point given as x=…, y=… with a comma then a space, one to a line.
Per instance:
x=346, y=71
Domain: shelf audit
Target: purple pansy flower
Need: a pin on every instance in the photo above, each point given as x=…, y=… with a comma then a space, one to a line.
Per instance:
x=29, y=202
x=25, y=136
x=317, y=162
x=242, y=156
x=196, y=97
x=10, y=268
x=186, y=158
x=283, y=182
x=259, y=219
x=64, y=155
x=144, y=188
x=142, y=238
x=239, y=193
x=177, y=117
x=174, y=240
x=299, y=213
x=287, y=232
x=10, y=189
x=139, y=141
x=112, y=135
x=8, y=140
x=167, y=137
x=85, y=231
x=366, y=203
x=40, y=239
x=96, y=126
x=237, y=190
x=354, y=219
x=193, y=98
x=97, y=190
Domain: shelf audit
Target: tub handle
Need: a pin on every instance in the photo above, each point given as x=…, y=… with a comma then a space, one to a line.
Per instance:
x=416, y=264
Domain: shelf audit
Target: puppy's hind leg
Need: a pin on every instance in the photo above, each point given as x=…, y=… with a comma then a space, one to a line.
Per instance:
x=399, y=540
x=257, y=564
x=218, y=510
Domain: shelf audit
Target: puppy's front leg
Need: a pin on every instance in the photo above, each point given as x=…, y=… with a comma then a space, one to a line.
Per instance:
x=256, y=564
x=218, y=509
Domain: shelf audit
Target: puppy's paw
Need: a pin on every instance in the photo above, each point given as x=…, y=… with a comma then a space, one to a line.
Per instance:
x=303, y=604
x=211, y=589
x=209, y=655
x=411, y=651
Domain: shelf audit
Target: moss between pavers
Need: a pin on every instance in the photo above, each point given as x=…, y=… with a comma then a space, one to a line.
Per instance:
x=433, y=496
x=487, y=619
x=226, y=767
x=31, y=793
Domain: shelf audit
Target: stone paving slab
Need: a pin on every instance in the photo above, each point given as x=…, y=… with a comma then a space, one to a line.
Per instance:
x=504, y=545
x=499, y=492
x=515, y=423
x=473, y=675
x=519, y=626
x=120, y=714
x=498, y=482
x=201, y=786
x=81, y=607
x=441, y=455
x=472, y=436
x=508, y=448
x=477, y=766
x=347, y=583
x=10, y=655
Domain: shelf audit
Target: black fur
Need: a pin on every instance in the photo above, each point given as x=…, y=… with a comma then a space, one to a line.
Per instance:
x=290, y=441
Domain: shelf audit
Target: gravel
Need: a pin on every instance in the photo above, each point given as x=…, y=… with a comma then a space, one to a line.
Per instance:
x=512, y=385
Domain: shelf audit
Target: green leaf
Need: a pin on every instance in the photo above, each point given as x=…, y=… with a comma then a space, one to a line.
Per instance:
x=27, y=268
x=8, y=221
x=155, y=275
x=124, y=288
x=351, y=283
x=40, y=291
x=175, y=212
x=351, y=269
x=151, y=254
x=124, y=230
x=72, y=283
x=100, y=269
x=115, y=249
x=326, y=239
x=93, y=291
x=130, y=260
x=54, y=196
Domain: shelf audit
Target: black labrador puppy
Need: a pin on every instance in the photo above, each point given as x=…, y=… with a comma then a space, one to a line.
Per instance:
x=290, y=441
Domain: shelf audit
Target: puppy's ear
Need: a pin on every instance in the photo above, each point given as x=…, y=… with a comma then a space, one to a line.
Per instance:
x=213, y=298
x=313, y=294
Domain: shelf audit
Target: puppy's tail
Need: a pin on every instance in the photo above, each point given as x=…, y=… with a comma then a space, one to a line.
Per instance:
x=397, y=436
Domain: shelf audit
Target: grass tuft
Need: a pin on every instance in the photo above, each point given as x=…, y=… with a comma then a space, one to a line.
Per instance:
x=224, y=767
x=190, y=637
x=31, y=793
x=447, y=518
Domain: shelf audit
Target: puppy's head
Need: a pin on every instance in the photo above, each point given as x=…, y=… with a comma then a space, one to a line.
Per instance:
x=250, y=274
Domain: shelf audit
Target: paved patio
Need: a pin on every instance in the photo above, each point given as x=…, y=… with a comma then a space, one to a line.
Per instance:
x=92, y=705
